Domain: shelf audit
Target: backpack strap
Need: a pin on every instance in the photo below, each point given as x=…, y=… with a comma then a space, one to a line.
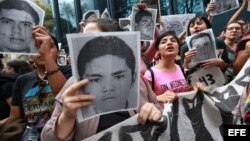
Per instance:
x=146, y=61
x=153, y=78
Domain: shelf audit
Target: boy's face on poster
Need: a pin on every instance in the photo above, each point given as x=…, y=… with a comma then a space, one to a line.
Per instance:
x=110, y=84
x=146, y=25
x=202, y=42
x=15, y=30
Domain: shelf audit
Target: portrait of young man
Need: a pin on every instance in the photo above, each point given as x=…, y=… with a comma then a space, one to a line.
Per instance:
x=204, y=43
x=17, y=18
x=144, y=21
x=177, y=22
x=110, y=63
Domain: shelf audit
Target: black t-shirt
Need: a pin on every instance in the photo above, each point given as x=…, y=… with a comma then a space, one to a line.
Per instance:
x=6, y=84
x=111, y=119
x=35, y=98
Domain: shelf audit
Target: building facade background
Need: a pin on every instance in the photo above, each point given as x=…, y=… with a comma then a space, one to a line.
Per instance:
x=68, y=13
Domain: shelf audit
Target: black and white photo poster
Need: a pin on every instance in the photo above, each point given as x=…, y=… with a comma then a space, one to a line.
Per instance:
x=91, y=15
x=201, y=115
x=131, y=130
x=154, y=4
x=177, y=23
x=110, y=61
x=125, y=24
x=204, y=44
x=18, y=17
x=195, y=116
x=144, y=21
x=223, y=6
x=105, y=14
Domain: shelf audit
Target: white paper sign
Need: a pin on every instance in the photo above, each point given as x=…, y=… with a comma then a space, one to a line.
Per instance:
x=223, y=6
x=211, y=77
x=204, y=43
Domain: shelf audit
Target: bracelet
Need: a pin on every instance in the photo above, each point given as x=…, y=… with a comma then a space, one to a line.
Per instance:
x=48, y=73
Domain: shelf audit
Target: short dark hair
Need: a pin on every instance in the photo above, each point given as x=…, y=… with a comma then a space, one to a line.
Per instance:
x=105, y=45
x=20, y=5
x=140, y=14
x=107, y=25
x=207, y=22
x=200, y=35
x=20, y=66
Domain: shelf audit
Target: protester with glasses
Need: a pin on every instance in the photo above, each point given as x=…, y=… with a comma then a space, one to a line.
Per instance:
x=232, y=34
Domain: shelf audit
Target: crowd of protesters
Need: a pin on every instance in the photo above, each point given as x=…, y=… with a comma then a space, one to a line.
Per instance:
x=44, y=81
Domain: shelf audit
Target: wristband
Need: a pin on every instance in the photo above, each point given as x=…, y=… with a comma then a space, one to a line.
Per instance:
x=48, y=73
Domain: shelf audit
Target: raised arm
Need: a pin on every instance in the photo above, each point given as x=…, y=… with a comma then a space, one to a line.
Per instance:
x=239, y=11
x=163, y=25
x=210, y=7
x=150, y=52
x=241, y=58
x=63, y=120
x=44, y=42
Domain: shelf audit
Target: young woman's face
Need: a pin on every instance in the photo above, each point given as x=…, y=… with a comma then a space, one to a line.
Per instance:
x=110, y=84
x=197, y=26
x=233, y=31
x=168, y=46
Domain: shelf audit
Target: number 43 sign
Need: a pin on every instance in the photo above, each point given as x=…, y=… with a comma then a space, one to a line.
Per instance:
x=212, y=77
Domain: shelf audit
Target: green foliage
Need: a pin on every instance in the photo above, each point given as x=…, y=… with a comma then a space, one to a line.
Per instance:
x=48, y=19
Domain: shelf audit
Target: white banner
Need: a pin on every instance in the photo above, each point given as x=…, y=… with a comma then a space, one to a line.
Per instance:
x=195, y=116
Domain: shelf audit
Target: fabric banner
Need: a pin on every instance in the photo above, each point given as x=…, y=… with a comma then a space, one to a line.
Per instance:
x=196, y=116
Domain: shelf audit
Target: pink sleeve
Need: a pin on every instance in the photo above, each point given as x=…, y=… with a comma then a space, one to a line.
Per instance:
x=150, y=52
x=148, y=76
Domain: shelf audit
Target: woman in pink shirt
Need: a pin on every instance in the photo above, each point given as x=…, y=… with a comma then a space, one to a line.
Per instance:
x=168, y=76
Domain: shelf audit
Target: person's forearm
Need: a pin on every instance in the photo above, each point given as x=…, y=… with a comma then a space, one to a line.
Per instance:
x=185, y=64
x=159, y=98
x=64, y=126
x=56, y=80
x=240, y=62
x=210, y=18
x=182, y=35
x=150, y=52
x=223, y=65
x=238, y=13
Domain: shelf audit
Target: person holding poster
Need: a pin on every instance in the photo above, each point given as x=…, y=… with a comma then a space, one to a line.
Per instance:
x=203, y=43
x=63, y=125
x=195, y=26
x=114, y=82
x=167, y=77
